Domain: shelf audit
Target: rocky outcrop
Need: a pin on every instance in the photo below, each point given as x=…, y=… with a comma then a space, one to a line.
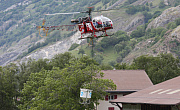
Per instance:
x=59, y=47
x=8, y=57
x=176, y=33
x=138, y=20
x=148, y=47
x=115, y=4
x=166, y=2
x=13, y=52
x=46, y=52
x=142, y=2
x=169, y=15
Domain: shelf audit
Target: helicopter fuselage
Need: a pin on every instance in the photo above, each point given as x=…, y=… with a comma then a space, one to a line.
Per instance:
x=97, y=24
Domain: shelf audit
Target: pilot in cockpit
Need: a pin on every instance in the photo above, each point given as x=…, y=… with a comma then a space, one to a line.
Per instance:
x=99, y=24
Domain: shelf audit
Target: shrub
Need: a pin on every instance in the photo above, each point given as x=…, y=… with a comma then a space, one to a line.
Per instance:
x=73, y=46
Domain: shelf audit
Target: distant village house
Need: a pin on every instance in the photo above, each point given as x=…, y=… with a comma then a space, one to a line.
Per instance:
x=127, y=81
x=163, y=96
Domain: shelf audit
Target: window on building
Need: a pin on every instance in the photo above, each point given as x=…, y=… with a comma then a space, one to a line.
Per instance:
x=106, y=98
x=115, y=96
x=110, y=97
x=110, y=108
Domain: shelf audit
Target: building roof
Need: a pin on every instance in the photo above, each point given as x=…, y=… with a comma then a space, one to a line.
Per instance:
x=165, y=93
x=128, y=80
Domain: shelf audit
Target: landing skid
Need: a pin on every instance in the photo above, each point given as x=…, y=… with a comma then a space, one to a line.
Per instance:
x=92, y=37
x=104, y=36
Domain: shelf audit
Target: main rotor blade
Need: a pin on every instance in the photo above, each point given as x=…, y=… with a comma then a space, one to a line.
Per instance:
x=104, y=10
x=62, y=13
x=78, y=12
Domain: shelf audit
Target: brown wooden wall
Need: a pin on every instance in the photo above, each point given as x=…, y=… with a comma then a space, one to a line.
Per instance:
x=155, y=107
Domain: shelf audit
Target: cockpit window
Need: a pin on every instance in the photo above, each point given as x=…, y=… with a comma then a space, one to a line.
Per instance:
x=101, y=21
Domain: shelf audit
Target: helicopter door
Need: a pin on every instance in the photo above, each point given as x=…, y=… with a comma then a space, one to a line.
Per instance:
x=94, y=23
x=81, y=28
x=88, y=26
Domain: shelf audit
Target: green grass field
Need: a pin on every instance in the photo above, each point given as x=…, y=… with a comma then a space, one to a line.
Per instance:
x=109, y=54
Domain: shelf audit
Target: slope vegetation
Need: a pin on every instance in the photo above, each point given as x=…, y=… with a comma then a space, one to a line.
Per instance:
x=19, y=38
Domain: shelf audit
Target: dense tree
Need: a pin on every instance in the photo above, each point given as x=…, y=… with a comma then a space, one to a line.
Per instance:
x=129, y=2
x=174, y=24
x=98, y=58
x=118, y=47
x=119, y=59
x=147, y=16
x=60, y=88
x=171, y=25
x=81, y=51
x=155, y=32
x=160, y=68
x=131, y=10
x=118, y=39
x=161, y=4
x=151, y=4
x=139, y=32
x=8, y=87
x=31, y=66
x=156, y=14
x=134, y=9
x=61, y=60
x=99, y=48
x=122, y=66
x=177, y=21
x=106, y=67
x=105, y=1
x=73, y=46
x=112, y=63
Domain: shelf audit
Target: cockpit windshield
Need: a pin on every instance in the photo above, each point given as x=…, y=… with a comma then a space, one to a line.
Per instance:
x=102, y=22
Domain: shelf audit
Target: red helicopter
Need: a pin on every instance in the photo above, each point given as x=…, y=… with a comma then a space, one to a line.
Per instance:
x=88, y=26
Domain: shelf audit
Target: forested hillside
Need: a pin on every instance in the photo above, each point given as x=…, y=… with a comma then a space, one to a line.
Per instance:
x=18, y=21
x=21, y=86
x=158, y=35
x=19, y=37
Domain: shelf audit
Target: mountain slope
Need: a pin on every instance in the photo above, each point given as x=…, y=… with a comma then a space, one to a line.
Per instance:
x=169, y=15
x=169, y=43
x=18, y=33
x=58, y=47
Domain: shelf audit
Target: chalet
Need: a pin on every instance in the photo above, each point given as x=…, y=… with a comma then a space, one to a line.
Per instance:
x=127, y=81
x=162, y=96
